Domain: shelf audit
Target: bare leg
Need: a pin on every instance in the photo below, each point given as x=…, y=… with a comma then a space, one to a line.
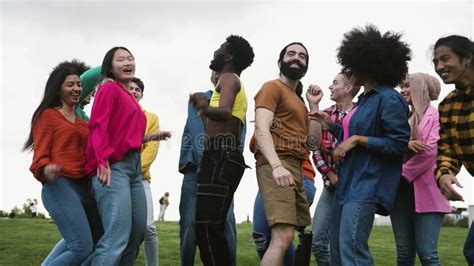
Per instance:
x=282, y=237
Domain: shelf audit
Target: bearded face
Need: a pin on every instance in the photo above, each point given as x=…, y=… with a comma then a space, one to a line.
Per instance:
x=293, y=61
x=293, y=69
x=218, y=63
x=219, y=60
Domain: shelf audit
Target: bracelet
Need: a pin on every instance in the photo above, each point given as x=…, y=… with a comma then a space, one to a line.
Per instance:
x=275, y=167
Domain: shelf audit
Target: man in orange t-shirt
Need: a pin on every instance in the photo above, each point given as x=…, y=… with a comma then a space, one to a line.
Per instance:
x=283, y=135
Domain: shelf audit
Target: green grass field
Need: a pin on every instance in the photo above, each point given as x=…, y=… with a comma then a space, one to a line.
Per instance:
x=28, y=242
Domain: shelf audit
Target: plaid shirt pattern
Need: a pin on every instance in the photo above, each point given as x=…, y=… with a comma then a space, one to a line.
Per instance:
x=456, y=143
x=322, y=157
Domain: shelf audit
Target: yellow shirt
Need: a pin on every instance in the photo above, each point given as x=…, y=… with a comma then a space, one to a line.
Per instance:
x=150, y=148
x=240, y=102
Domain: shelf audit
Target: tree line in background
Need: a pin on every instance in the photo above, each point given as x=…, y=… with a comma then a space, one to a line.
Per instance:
x=24, y=212
x=449, y=221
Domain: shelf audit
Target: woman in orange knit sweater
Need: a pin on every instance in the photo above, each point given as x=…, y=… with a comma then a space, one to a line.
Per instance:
x=58, y=139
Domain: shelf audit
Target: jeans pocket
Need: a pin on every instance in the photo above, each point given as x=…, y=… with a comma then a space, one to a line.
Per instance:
x=231, y=170
x=211, y=203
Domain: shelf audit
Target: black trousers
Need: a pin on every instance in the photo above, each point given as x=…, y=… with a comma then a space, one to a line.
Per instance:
x=221, y=169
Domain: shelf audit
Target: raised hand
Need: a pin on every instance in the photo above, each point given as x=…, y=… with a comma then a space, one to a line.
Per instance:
x=314, y=94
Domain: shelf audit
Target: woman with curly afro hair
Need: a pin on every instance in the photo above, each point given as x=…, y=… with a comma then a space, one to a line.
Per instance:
x=373, y=138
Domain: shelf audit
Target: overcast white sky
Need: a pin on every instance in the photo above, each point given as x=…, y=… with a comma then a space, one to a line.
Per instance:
x=173, y=44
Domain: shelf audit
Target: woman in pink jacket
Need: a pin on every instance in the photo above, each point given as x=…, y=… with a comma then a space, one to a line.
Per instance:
x=419, y=206
x=116, y=130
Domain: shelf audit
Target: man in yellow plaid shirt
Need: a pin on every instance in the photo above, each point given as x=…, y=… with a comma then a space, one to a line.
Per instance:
x=454, y=63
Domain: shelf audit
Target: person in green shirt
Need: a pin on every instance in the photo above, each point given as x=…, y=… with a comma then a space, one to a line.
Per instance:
x=89, y=81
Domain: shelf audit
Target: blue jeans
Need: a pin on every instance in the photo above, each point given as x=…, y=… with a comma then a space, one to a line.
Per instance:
x=187, y=227
x=262, y=233
x=151, y=239
x=72, y=207
x=414, y=232
x=469, y=246
x=122, y=207
x=321, y=224
x=350, y=231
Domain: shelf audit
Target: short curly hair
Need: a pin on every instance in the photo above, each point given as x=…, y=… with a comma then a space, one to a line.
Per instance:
x=368, y=54
x=241, y=51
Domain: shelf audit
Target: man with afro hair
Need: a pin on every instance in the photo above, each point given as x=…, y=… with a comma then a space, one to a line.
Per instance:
x=222, y=164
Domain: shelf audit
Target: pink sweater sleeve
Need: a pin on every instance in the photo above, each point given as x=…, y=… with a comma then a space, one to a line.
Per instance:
x=423, y=161
x=100, y=121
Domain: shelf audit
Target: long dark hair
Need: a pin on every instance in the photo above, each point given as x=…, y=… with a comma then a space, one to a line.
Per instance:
x=50, y=98
x=299, y=91
x=107, y=62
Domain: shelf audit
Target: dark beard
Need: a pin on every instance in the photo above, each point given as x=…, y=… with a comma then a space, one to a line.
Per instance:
x=218, y=63
x=293, y=73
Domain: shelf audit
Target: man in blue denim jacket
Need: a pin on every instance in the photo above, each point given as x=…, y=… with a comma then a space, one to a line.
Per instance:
x=192, y=146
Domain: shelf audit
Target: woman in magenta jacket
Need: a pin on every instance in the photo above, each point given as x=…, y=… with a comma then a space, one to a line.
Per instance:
x=116, y=130
x=419, y=206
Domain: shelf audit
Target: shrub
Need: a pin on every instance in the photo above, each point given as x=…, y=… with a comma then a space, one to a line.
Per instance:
x=448, y=221
x=464, y=222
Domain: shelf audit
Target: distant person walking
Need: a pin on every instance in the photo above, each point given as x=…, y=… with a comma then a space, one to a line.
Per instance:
x=164, y=202
x=34, y=208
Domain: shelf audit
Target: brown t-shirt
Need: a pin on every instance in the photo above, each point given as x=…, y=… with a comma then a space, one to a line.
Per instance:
x=290, y=124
